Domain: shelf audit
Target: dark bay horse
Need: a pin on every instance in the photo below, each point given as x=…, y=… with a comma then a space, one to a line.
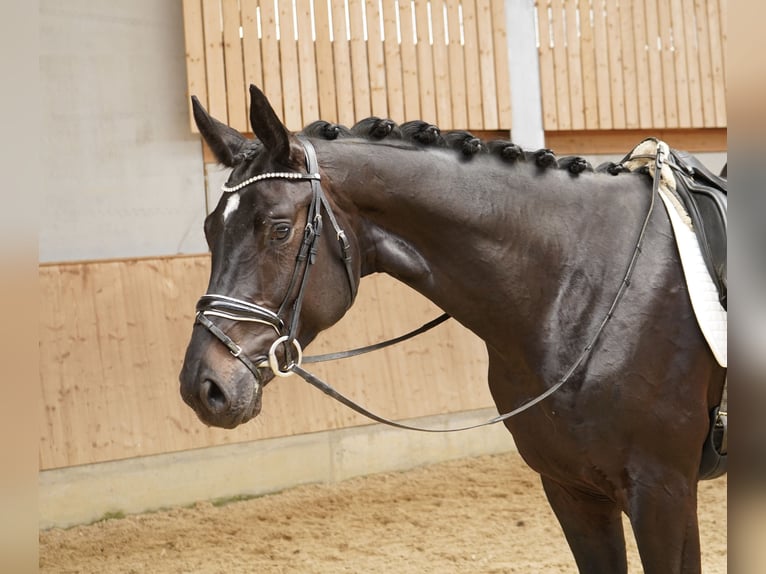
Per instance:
x=529, y=259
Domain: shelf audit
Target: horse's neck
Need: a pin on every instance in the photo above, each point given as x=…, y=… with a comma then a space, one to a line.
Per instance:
x=478, y=238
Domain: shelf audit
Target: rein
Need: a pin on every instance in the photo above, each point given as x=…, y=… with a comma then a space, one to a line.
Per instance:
x=239, y=310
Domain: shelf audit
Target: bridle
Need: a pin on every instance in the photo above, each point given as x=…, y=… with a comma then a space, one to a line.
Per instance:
x=240, y=310
x=234, y=309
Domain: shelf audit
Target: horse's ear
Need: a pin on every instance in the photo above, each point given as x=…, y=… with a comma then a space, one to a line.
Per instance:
x=224, y=142
x=268, y=128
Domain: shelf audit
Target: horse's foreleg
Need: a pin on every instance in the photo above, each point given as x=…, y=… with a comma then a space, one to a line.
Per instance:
x=666, y=529
x=592, y=526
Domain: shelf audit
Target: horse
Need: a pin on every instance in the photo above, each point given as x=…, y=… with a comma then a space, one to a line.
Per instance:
x=531, y=260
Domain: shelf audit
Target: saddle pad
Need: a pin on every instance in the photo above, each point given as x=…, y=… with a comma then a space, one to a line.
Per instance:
x=711, y=316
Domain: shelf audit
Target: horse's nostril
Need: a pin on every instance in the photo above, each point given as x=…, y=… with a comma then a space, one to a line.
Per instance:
x=213, y=397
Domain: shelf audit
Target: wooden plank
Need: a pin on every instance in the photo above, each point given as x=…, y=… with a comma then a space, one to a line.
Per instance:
x=617, y=89
x=344, y=87
x=233, y=59
x=410, y=83
x=307, y=64
x=194, y=38
x=601, y=48
x=272, y=75
x=619, y=142
x=717, y=63
x=359, y=69
x=393, y=61
x=547, y=67
x=681, y=70
x=670, y=97
x=561, y=65
x=574, y=67
x=629, y=77
x=441, y=66
x=214, y=63
x=642, y=72
x=654, y=59
x=425, y=64
x=707, y=89
x=288, y=54
x=502, y=71
x=328, y=110
x=589, y=70
x=723, y=16
x=487, y=64
x=251, y=46
x=457, y=74
x=692, y=66
x=377, y=60
x=472, y=66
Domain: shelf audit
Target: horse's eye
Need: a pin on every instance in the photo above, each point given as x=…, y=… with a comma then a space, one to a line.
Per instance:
x=280, y=232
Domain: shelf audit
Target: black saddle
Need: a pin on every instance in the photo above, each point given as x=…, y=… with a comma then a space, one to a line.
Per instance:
x=704, y=195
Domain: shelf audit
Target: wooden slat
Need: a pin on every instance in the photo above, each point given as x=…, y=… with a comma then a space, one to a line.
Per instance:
x=692, y=66
x=723, y=15
x=617, y=91
x=272, y=76
x=377, y=60
x=328, y=110
x=670, y=97
x=718, y=81
x=214, y=63
x=629, y=66
x=307, y=64
x=235, y=79
x=393, y=62
x=561, y=65
x=574, y=67
x=472, y=66
x=194, y=37
x=705, y=64
x=547, y=67
x=441, y=67
x=344, y=87
x=410, y=84
x=487, y=64
x=425, y=64
x=654, y=60
x=251, y=45
x=642, y=72
x=359, y=71
x=589, y=72
x=502, y=71
x=288, y=54
x=456, y=56
x=603, y=78
x=679, y=57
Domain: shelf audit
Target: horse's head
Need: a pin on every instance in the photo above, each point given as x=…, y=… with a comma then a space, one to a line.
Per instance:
x=282, y=267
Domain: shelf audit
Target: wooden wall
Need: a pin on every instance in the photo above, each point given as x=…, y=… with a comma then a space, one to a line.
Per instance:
x=112, y=340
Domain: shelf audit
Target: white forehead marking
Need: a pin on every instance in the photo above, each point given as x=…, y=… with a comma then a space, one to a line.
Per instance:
x=231, y=205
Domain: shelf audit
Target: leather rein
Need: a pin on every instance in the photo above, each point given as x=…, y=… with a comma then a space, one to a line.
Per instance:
x=240, y=310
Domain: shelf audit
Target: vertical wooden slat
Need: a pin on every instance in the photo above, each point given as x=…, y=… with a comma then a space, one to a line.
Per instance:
x=214, y=64
x=359, y=72
x=425, y=64
x=410, y=82
x=574, y=67
x=457, y=74
x=487, y=64
x=718, y=83
x=194, y=38
x=670, y=98
x=724, y=29
x=547, y=71
x=705, y=64
x=679, y=58
x=654, y=60
x=344, y=87
x=692, y=65
x=307, y=64
x=251, y=44
x=472, y=66
x=629, y=66
x=502, y=74
x=643, y=89
x=377, y=60
x=617, y=89
x=561, y=66
x=603, y=73
x=235, y=79
x=393, y=62
x=589, y=73
x=441, y=67
x=328, y=110
x=288, y=53
x=272, y=76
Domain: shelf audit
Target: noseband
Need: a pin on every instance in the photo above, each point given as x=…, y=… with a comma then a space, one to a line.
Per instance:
x=213, y=305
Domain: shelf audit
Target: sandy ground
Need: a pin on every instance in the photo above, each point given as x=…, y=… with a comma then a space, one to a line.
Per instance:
x=481, y=515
